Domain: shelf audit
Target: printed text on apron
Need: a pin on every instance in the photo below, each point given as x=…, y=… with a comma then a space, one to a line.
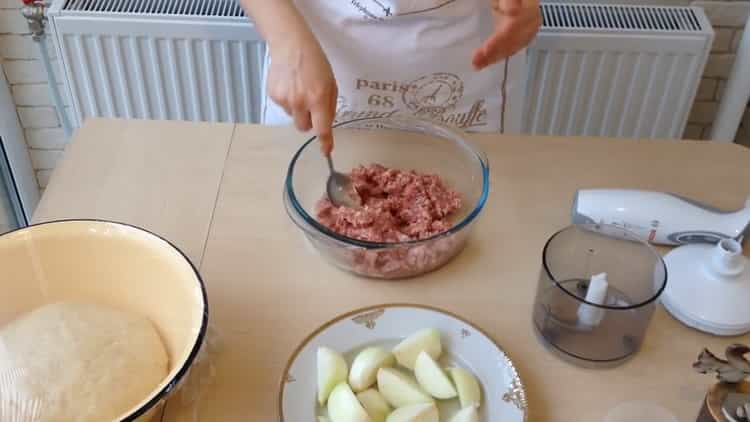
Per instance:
x=413, y=57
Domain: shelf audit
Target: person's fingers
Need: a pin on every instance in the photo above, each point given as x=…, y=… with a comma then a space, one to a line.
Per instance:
x=333, y=106
x=495, y=48
x=326, y=143
x=519, y=40
x=335, y=100
x=477, y=59
x=322, y=121
x=302, y=119
x=508, y=7
x=278, y=94
x=279, y=101
x=509, y=38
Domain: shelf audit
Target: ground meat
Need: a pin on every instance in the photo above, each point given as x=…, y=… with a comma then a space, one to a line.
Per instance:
x=406, y=261
x=397, y=206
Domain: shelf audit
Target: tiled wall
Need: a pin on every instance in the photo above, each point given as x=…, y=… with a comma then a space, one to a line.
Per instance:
x=24, y=71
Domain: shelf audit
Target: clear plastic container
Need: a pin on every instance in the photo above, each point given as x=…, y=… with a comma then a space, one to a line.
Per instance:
x=596, y=294
x=399, y=143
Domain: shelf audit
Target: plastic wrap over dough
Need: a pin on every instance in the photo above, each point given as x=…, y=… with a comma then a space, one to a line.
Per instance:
x=78, y=362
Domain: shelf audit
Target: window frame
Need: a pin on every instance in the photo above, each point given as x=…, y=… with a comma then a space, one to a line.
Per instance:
x=15, y=162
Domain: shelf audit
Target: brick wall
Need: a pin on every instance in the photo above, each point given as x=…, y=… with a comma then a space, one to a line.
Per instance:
x=24, y=71
x=28, y=82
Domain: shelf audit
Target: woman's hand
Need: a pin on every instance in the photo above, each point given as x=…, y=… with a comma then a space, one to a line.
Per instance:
x=516, y=24
x=301, y=81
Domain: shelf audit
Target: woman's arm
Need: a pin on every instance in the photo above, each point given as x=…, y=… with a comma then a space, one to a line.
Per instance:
x=300, y=79
x=276, y=20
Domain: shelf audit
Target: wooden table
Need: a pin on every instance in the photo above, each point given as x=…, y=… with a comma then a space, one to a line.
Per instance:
x=215, y=190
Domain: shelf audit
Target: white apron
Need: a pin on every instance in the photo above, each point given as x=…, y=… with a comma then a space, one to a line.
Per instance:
x=413, y=57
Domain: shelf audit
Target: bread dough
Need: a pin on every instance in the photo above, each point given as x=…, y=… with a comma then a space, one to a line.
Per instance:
x=78, y=362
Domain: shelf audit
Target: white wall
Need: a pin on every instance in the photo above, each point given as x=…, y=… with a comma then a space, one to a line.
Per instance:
x=45, y=137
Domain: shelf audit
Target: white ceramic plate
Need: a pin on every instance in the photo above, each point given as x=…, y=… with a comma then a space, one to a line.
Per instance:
x=503, y=396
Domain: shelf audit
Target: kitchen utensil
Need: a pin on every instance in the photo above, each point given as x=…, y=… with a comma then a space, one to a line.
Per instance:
x=400, y=143
x=723, y=399
x=340, y=189
x=709, y=287
x=661, y=218
x=465, y=345
x=736, y=407
x=596, y=295
x=110, y=264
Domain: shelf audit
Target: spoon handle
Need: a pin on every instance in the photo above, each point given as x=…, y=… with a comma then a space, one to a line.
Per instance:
x=330, y=163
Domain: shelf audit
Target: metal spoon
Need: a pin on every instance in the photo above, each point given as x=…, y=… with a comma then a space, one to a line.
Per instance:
x=743, y=412
x=340, y=189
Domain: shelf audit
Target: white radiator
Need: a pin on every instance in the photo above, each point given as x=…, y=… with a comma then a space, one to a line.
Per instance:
x=194, y=60
x=619, y=71
x=602, y=70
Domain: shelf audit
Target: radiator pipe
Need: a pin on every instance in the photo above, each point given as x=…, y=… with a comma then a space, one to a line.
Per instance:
x=34, y=12
x=736, y=95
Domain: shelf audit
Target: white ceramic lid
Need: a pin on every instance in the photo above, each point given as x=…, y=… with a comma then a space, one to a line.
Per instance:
x=709, y=287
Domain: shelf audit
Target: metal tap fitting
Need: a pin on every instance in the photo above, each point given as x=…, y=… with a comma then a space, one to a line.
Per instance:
x=36, y=17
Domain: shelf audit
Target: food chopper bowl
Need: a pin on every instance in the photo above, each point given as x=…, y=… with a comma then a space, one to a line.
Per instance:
x=399, y=143
x=596, y=294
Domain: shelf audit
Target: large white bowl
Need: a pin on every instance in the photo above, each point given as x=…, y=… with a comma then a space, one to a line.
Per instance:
x=110, y=264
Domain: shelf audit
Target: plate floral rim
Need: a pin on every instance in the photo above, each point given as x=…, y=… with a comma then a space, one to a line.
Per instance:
x=516, y=394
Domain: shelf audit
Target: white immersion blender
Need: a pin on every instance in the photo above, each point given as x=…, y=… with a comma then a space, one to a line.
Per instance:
x=661, y=218
x=709, y=278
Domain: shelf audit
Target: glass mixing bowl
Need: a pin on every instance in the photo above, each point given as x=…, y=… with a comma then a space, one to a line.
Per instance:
x=399, y=143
